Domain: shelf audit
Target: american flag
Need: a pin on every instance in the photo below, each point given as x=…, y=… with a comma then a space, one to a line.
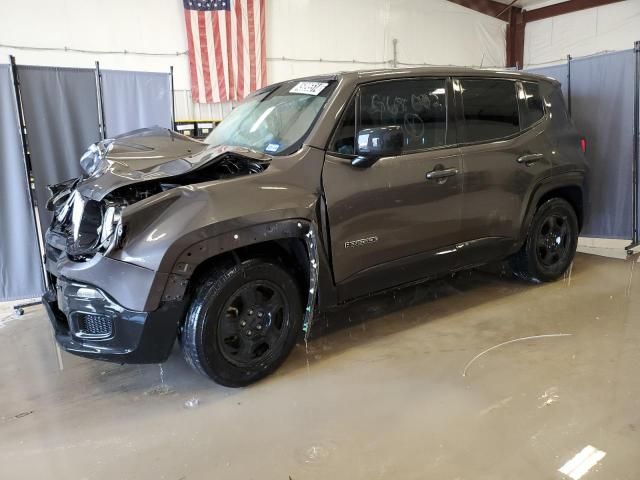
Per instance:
x=227, y=51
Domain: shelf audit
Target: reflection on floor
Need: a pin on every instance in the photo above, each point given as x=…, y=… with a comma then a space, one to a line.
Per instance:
x=380, y=393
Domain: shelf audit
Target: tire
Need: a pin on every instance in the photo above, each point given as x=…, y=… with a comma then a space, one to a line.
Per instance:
x=550, y=244
x=242, y=322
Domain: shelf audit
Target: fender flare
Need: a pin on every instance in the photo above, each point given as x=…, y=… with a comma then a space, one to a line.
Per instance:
x=207, y=248
x=569, y=179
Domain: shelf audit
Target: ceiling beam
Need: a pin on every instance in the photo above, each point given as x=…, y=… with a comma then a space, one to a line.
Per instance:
x=562, y=8
x=517, y=19
x=488, y=7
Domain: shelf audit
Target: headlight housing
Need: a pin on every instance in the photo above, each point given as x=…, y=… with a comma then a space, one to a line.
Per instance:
x=95, y=227
x=93, y=160
x=111, y=228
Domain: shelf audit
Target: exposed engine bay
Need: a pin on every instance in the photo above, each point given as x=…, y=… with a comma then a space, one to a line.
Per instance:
x=86, y=226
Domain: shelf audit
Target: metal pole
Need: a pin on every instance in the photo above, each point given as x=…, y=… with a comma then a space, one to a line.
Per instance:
x=101, y=124
x=395, y=53
x=636, y=145
x=27, y=168
x=173, y=101
x=569, y=84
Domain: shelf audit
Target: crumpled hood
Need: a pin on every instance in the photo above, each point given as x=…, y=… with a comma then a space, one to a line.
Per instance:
x=152, y=154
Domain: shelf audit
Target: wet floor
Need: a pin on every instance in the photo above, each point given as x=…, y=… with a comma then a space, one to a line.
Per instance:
x=474, y=377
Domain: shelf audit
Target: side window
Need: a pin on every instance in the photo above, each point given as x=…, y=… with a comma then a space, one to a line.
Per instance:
x=532, y=110
x=344, y=137
x=418, y=106
x=490, y=109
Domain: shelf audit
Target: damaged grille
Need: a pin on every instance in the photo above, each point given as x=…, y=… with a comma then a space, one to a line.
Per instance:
x=82, y=227
x=76, y=226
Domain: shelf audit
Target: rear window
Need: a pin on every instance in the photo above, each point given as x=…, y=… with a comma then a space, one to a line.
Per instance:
x=490, y=109
x=532, y=109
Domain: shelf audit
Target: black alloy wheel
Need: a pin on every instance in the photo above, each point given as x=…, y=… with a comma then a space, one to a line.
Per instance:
x=550, y=244
x=553, y=240
x=242, y=322
x=254, y=323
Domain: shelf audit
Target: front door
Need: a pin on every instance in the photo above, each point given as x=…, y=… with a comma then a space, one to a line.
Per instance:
x=399, y=219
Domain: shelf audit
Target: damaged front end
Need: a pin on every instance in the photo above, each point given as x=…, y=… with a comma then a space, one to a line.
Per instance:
x=82, y=227
x=88, y=211
x=99, y=305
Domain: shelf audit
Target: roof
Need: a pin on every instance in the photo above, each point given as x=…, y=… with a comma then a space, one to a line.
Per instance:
x=355, y=77
x=368, y=75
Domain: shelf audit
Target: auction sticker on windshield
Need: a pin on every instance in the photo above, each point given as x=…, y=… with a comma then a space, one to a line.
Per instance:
x=309, y=88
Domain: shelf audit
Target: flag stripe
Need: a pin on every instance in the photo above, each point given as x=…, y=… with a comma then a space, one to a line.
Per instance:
x=204, y=53
x=245, y=49
x=197, y=56
x=230, y=43
x=219, y=62
x=263, y=44
x=213, y=61
x=192, y=64
x=227, y=48
x=252, y=46
x=239, y=48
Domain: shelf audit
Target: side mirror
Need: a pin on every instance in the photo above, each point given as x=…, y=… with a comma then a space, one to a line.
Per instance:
x=375, y=143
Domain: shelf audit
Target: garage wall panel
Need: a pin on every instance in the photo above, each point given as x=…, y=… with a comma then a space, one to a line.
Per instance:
x=20, y=268
x=61, y=115
x=586, y=32
x=135, y=100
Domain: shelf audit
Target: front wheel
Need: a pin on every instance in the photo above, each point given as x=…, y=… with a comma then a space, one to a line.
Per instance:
x=242, y=322
x=551, y=242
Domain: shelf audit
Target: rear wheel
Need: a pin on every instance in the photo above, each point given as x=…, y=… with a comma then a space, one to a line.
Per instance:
x=551, y=243
x=242, y=322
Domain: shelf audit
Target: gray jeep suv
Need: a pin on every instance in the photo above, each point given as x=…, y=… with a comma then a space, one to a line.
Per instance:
x=311, y=193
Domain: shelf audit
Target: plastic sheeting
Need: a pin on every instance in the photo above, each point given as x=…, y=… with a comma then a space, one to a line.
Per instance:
x=20, y=268
x=61, y=115
x=602, y=93
x=135, y=100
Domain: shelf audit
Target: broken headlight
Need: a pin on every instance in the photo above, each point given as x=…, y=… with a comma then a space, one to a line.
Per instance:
x=111, y=228
x=93, y=160
x=95, y=227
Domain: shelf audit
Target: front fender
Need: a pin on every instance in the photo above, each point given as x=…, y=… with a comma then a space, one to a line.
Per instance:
x=307, y=230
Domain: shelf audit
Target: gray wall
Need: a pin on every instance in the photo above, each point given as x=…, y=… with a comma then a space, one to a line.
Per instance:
x=602, y=95
x=602, y=92
x=135, y=100
x=61, y=115
x=20, y=268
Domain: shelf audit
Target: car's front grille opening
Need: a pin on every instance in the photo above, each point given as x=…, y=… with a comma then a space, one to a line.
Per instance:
x=91, y=324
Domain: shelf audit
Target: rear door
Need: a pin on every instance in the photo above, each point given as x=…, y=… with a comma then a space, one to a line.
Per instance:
x=387, y=221
x=504, y=153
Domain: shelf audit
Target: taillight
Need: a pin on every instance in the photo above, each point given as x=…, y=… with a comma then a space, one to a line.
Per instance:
x=583, y=145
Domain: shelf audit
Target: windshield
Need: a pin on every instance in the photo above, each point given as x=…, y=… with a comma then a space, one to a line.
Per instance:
x=274, y=121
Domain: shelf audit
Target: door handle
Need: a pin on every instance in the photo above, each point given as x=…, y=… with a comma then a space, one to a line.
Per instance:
x=438, y=174
x=530, y=158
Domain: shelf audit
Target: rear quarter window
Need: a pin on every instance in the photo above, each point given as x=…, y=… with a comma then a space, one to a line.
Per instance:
x=532, y=109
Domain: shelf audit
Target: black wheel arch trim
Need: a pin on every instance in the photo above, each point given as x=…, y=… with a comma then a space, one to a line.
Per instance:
x=322, y=291
x=569, y=179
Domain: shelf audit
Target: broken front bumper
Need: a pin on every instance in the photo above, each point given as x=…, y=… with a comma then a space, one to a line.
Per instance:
x=89, y=323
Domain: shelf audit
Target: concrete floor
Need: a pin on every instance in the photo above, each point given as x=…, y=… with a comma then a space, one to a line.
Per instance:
x=379, y=394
